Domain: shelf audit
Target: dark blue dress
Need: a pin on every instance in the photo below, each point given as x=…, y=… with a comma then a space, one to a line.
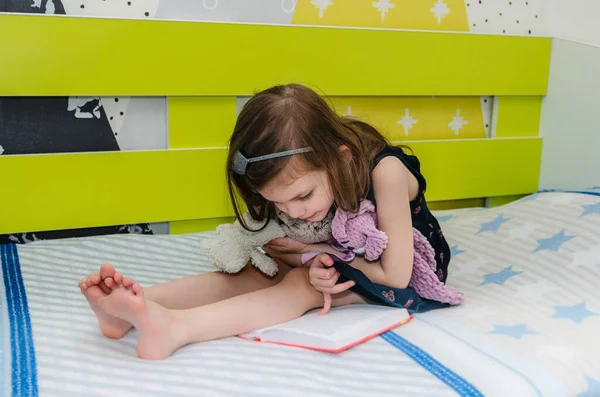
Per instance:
x=424, y=221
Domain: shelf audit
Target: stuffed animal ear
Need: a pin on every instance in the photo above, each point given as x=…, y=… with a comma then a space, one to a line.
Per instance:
x=261, y=237
x=338, y=227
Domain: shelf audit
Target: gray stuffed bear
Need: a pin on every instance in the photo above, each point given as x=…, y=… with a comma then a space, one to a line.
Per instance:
x=233, y=247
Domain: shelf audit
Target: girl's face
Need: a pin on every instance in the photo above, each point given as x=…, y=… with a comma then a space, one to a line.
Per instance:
x=299, y=192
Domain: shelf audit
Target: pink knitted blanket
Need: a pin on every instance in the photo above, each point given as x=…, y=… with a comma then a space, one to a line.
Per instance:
x=424, y=280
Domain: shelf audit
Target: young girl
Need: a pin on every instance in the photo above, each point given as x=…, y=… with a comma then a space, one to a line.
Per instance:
x=289, y=151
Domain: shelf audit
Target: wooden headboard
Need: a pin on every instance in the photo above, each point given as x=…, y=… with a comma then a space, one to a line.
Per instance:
x=203, y=67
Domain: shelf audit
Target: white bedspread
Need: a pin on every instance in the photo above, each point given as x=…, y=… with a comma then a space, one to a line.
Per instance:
x=529, y=325
x=530, y=271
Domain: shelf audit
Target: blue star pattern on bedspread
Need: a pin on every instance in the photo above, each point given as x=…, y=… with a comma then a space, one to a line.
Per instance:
x=499, y=277
x=444, y=218
x=455, y=251
x=493, y=225
x=516, y=331
x=553, y=243
x=576, y=313
x=593, y=388
x=590, y=209
x=529, y=273
x=528, y=326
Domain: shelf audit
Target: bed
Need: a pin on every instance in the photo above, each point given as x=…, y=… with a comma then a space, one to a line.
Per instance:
x=526, y=261
x=528, y=326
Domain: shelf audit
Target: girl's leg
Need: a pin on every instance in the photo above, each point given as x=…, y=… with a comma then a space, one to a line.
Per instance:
x=184, y=293
x=162, y=331
x=202, y=289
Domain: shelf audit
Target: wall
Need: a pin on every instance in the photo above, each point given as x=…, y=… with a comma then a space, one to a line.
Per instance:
x=51, y=125
x=574, y=20
x=569, y=121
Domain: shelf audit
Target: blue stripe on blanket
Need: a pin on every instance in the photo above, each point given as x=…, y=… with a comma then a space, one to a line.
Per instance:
x=24, y=372
x=446, y=375
x=592, y=191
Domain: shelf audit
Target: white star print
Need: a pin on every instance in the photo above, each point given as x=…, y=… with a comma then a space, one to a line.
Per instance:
x=407, y=121
x=482, y=312
x=534, y=291
x=589, y=258
x=521, y=232
x=383, y=6
x=440, y=10
x=1, y=149
x=466, y=221
x=556, y=199
x=321, y=5
x=469, y=267
x=561, y=353
x=457, y=123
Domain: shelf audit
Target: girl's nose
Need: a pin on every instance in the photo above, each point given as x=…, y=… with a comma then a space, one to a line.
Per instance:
x=295, y=210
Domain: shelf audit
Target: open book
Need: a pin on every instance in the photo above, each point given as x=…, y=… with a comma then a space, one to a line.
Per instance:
x=340, y=329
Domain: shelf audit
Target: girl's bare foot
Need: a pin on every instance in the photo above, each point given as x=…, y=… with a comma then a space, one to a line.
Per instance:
x=155, y=324
x=99, y=285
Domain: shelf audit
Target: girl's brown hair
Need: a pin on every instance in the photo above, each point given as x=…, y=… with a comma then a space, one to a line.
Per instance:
x=292, y=116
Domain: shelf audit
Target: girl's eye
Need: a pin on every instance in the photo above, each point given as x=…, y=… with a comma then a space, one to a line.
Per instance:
x=304, y=198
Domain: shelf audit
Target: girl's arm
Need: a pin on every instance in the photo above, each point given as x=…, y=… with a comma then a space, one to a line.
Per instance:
x=292, y=259
x=394, y=187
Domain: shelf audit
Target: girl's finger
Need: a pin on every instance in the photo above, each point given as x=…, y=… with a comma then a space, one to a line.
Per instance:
x=329, y=282
x=327, y=285
x=333, y=290
x=329, y=273
x=320, y=273
x=321, y=285
x=342, y=287
x=326, y=304
x=323, y=260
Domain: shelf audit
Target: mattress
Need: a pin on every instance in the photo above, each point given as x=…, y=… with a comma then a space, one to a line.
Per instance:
x=528, y=326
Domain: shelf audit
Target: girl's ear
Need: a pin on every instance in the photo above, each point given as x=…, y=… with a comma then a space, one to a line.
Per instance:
x=346, y=152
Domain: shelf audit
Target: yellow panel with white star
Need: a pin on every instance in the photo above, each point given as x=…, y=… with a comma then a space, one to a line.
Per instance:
x=401, y=118
x=404, y=117
x=405, y=14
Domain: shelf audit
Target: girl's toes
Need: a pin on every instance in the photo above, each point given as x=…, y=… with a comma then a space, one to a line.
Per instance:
x=110, y=282
x=93, y=279
x=118, y=278
x=137, y=289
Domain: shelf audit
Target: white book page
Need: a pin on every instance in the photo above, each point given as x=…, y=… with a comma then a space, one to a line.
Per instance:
x=341, y=326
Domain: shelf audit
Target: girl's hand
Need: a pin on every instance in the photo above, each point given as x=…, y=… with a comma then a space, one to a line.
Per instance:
x=323, y=278
x=287, y=245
